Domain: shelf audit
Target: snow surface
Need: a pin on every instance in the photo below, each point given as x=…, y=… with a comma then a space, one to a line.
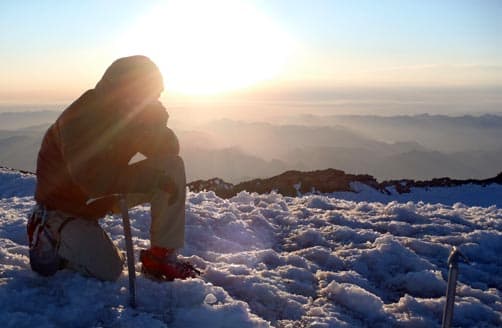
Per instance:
x=269, y=260
x=469, y=194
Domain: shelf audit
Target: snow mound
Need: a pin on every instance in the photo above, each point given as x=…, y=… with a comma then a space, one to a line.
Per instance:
x=269, y=260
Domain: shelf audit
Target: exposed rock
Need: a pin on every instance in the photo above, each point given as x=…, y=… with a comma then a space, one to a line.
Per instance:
x=220, y=187
x=5, y=168
x=404, y=186
x=294, y=183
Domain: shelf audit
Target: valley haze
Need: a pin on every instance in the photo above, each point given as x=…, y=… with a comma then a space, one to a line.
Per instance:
x=234, y=145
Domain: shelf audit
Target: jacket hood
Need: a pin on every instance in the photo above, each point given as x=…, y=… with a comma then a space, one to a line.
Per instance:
x=134, y=74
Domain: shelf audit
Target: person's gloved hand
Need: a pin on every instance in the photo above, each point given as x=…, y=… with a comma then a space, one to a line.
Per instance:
x=152, y=114
x=167, y=184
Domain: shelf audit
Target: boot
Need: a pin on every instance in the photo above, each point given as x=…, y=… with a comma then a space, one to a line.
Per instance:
x=43, y=251
x=161, y=264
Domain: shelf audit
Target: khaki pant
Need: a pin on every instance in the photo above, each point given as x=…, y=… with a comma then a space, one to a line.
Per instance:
x=87, y=248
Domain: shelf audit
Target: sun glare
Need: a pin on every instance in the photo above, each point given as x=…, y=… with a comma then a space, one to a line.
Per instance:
x=208, y=47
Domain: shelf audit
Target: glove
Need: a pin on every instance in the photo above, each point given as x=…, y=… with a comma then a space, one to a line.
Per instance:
x=154, y=114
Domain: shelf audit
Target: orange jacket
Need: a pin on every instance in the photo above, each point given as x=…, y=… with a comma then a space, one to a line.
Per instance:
x=85, y=153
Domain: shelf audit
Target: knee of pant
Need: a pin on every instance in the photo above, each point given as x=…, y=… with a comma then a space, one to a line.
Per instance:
x=178, y=163
x=167, y=162
x=177, y=168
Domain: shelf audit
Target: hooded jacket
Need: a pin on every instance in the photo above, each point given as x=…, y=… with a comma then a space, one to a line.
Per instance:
x=84, y=155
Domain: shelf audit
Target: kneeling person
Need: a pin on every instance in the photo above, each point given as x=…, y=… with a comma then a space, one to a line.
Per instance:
x=83, y=164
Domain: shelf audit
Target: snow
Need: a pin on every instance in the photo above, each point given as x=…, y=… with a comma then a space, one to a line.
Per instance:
x=338, y=260
x=468, y=195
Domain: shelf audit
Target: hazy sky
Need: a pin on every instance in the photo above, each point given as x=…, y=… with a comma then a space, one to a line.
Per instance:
x=51, y=51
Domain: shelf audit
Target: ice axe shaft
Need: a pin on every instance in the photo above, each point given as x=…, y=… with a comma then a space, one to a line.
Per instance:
x=129, y=251
x=453, y=259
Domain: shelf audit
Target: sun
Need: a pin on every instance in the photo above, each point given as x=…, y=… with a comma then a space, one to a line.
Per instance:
x=208, y=47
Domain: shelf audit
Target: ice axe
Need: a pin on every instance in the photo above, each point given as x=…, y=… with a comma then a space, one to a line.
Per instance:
x=129, y=250
x=128, y=241
x=453, y=259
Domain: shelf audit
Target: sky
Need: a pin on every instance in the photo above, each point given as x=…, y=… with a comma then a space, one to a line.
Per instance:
x=262, y=50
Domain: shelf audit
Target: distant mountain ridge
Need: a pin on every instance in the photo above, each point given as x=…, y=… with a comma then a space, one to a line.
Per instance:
x=296, y=183
x=21, y=120
x=419, y=147
x=443, y=133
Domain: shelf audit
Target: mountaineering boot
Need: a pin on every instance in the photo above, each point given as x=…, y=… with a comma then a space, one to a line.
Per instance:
x=43, y=245
x=162, y=264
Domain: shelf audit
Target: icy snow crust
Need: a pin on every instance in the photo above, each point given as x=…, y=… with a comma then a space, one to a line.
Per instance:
x=269, y=260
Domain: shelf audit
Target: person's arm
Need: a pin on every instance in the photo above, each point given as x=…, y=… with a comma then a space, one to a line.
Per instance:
x=150, y=136
x=85, y=143
x=159, y=142
x=153, y=137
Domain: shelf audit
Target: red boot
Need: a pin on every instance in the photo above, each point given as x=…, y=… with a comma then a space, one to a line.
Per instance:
x=161, y=263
